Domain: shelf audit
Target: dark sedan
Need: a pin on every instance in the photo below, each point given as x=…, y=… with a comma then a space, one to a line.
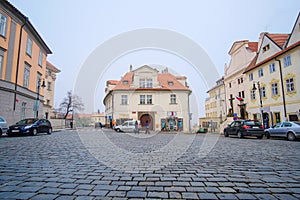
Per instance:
x=243, y=128
x=30, y=126
x=288, y=130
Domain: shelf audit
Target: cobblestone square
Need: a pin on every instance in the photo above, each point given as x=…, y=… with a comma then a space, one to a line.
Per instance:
x=102, y=164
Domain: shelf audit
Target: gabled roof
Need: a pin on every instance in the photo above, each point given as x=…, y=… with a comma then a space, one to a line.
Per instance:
x=279, y=39
x=165, y=78
x=252, y=64
x=126, y=78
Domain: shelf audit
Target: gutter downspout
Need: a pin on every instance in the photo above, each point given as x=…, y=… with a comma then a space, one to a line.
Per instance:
x=18, y=61
x=282, y=86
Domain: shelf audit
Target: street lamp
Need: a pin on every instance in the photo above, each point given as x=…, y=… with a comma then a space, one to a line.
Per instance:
x=37, y=102
x=260, y=100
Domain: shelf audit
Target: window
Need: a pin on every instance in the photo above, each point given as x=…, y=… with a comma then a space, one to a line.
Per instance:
x=242, y=80
x=26, y=75
x=38, y=81
x=239, y=81
x=49, y=86
x=142, y=83
x=48, y=102
x=287, y=61
x=149, y=99
x=173, y=98
x=250, y=77
x=142, y=99
x=229, y=85
x=274, y=89
x=149, y=83
x=170, y=83
x=243, y=94
x=260, y=72
x=1, y=63
x=290, y=85
x=263, y=92
x=125, y=82
x=3, y=21
x=252, y=95
x=272, y=67
x=124, y=100
x=29, y=46
x=41, y=58
x=266, y=48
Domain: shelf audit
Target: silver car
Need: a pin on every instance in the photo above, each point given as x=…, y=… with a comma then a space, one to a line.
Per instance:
x=289, y=130
x=3, y=126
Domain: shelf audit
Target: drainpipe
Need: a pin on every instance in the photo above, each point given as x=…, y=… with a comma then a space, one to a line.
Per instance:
x=18, y=62
x=282, y=86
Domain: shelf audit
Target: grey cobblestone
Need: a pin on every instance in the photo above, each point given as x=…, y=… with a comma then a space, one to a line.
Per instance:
x=234, y=169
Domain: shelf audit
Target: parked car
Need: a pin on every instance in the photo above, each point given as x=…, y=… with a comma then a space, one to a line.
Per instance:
x=127, y=126
x=288, y=130
x=243, y=128
x=30, y=126
x=3, y=126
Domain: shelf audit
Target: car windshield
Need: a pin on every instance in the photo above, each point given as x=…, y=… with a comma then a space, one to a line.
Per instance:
x=252, y=123
x=27, y=121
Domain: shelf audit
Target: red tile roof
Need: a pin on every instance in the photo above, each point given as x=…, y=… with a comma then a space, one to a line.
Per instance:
x=279, y=39
x=253, y=46
x=165, y=78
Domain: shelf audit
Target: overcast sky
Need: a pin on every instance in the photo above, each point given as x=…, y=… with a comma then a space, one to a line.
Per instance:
x=74, y=29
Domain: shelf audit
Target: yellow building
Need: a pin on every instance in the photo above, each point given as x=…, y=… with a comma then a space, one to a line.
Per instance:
x=273, y=78
x=23, y=55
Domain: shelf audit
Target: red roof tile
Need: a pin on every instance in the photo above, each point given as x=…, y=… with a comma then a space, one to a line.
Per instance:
x=253, y=46
x=279, y=39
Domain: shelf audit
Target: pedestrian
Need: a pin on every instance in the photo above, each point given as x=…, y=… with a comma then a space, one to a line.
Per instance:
x=136, y=127
x=147, y=127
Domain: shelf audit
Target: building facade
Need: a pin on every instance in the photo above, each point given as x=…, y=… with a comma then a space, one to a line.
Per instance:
x=145, y=94
x=241, y=53
x=215, y=108
x=274, y=78
x=50, y=77
x=23, y=55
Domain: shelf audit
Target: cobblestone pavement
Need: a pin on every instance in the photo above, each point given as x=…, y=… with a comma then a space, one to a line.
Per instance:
x=101, y=164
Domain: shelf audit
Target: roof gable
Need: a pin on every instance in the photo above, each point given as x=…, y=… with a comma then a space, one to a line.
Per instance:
x=295, y=34
x=270, y=45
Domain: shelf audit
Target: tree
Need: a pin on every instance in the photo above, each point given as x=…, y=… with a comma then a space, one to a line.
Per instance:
x=70, y=103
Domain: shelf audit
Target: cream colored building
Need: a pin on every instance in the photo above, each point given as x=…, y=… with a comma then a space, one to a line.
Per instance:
x=145, y=94
x=215, y=108
x=50, y=78
x=242, y=53
x=275, y=71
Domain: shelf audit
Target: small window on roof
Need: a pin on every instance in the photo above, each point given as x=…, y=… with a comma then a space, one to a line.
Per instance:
x=266, y=48
x=125, y=82
x=170, y=83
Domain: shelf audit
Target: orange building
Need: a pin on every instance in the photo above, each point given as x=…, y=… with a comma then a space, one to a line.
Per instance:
x=23, y=56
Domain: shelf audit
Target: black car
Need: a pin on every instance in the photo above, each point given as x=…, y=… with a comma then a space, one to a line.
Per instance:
x=30, y=126
x=243, y=128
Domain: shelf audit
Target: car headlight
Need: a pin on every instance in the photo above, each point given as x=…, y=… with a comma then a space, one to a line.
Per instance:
x=28, y=127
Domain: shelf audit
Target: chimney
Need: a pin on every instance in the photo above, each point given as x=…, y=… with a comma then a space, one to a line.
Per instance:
x=130, y=68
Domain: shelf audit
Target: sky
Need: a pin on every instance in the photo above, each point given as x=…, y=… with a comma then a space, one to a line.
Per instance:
x=74, y=29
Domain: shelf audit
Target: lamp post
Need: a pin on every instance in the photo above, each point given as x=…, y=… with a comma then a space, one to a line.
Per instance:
x=37, y=102
x=260, y=100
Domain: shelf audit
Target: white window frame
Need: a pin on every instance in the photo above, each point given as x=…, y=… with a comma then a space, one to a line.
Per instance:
x=3, y=23
x=260, y=72
x=173, y=98
x=274, y=89
x=41, y=58
x=29, y=46
x=124, y=100
x=149, y=99
x=142, y=83
x=26, y=75
x=149, y=83
x=287, y=61
x=142, y=99
x=272, y=67
x=290, y=87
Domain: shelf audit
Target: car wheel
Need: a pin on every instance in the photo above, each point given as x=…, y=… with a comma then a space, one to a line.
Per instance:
x=226, y=133
x=118, y=130
x=239, y=134
x=49, y=131
x=267, y=135
x=291, y=136
x=34, y=131
x=260, y=137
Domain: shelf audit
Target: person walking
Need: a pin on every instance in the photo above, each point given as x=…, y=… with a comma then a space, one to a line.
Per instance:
x=136, y=127
x=147, y=127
